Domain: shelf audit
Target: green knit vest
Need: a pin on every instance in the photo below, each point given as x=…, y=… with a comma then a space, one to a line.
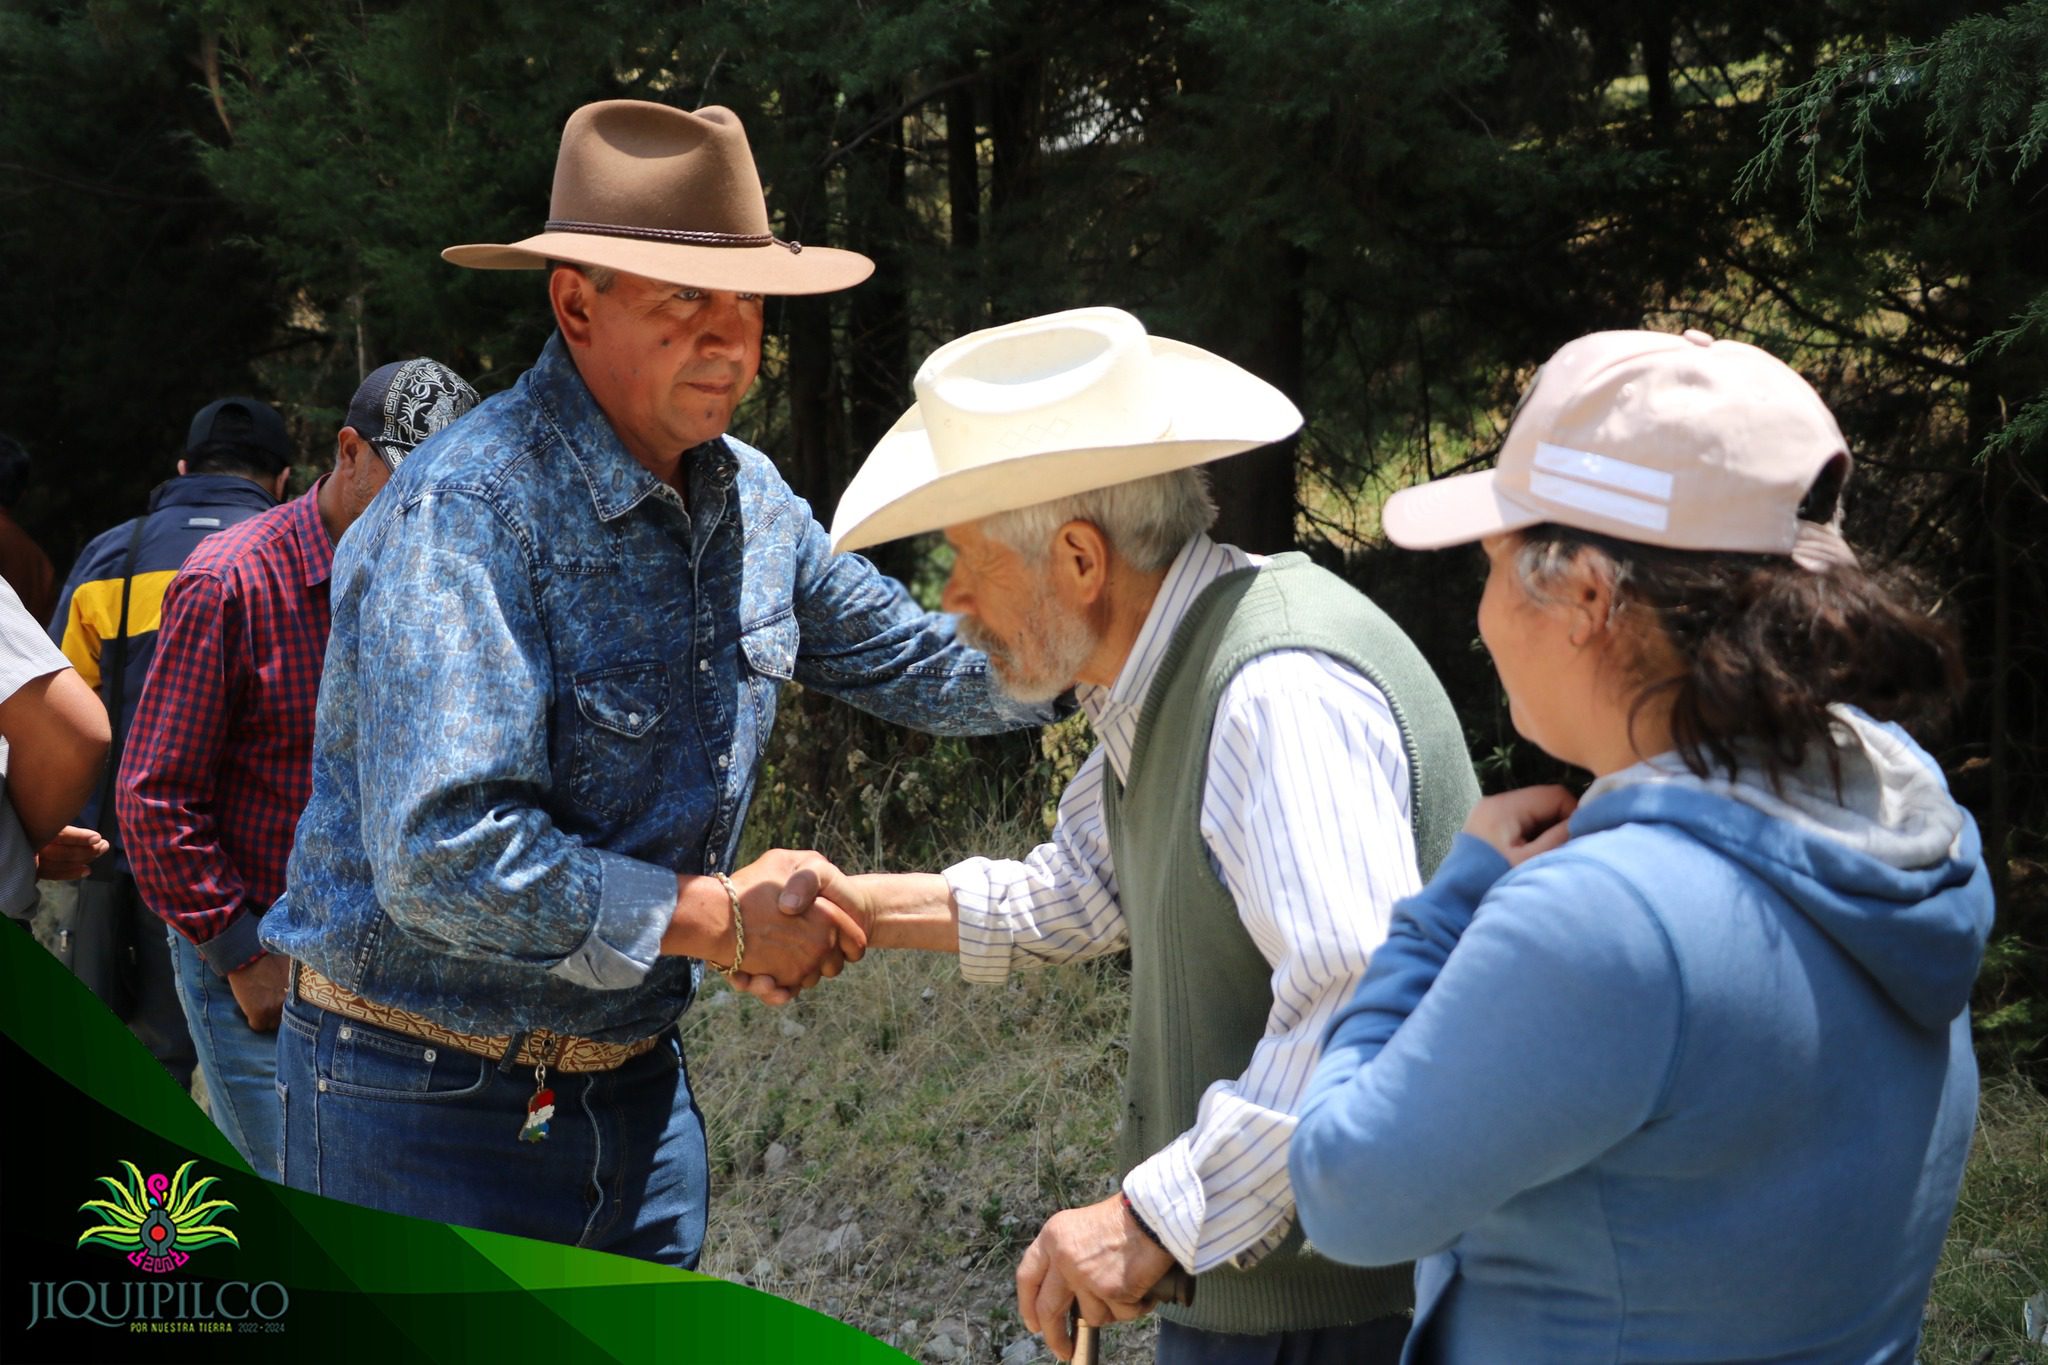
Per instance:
x=1200, y=989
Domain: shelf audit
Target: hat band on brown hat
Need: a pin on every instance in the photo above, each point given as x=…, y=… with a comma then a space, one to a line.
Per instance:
x=683, y=235
x=670, y=196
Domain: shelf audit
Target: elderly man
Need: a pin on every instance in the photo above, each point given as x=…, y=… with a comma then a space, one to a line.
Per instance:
x=558, y=640
x=1273, y=757
x=220, y=756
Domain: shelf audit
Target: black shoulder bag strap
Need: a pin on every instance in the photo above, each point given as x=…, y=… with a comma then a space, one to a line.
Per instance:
x=114, y=677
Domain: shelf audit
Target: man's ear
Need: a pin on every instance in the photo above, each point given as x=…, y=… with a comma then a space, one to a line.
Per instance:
x=277, y=487
x=1080, y=561
x=182, y=470
x=570, y=292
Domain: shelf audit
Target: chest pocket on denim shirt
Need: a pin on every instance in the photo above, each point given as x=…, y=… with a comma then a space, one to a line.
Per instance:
x=616, y=766
x=770, y=652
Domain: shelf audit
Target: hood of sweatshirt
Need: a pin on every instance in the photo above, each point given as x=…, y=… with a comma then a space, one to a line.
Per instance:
x=1885, y=863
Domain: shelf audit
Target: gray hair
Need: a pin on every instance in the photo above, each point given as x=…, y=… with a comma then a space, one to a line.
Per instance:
x=1544, y=564
x=601, y=277
x=1146, y=520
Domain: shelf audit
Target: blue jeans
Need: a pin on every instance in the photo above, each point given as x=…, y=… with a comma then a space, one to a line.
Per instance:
x=380, y=1119
x=240, y=1064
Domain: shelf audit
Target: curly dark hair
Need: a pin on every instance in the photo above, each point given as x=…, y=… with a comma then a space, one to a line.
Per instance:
x=1763, y=646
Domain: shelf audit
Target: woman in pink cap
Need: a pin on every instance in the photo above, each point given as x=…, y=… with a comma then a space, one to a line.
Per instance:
x=1679, y=1071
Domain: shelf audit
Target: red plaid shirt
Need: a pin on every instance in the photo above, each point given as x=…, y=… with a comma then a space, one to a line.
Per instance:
x=219, y=760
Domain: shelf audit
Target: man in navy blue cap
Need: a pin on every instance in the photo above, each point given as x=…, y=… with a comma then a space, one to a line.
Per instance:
x=237, y=460
x=221, y=758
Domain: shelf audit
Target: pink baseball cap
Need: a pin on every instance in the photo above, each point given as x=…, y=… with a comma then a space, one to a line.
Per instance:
x=1680, y=441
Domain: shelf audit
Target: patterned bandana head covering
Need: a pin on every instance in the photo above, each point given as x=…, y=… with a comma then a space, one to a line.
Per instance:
x=405, y=402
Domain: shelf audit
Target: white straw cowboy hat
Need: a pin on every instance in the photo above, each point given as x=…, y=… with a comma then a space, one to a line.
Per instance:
x=1013, y=416
x=670, y=195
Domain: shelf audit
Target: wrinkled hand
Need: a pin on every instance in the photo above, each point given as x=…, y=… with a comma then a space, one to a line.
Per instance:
x=1524, y=823
x=69, y=855
x=795, y=937
x=1096, y=1256
x=259, y=990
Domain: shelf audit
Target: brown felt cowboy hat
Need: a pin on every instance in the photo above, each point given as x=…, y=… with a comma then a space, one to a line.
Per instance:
x=671, y=195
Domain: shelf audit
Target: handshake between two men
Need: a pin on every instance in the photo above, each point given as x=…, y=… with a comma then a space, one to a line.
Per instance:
x=802, y=919
x=791, y=918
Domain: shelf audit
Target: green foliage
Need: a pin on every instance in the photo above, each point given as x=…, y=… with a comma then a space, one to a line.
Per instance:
x=2025, y=431
x=129, y=303
x=2012, y=997
x=366, y=138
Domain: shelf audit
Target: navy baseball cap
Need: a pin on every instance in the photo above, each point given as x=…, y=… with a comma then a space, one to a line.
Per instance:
x=247, y=426
x=405, y=402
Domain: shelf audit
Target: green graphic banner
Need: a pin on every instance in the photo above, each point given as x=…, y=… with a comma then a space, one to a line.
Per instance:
x=197, y=1259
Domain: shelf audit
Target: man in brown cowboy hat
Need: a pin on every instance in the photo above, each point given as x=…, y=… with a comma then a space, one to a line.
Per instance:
x=557, y=642
x=1274, y=760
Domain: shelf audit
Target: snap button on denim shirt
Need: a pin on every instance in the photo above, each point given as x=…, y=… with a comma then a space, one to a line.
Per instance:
x=546, y=693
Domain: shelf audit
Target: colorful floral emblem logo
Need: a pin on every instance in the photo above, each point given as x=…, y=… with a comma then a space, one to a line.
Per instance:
x=157, y=1221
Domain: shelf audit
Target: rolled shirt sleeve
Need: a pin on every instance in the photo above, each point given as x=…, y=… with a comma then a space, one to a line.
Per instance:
x=632, y=914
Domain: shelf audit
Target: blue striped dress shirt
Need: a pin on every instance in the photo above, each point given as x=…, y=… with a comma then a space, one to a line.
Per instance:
x=1306, y=818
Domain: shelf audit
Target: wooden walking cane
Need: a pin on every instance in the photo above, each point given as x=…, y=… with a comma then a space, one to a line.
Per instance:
x=1175, y=1286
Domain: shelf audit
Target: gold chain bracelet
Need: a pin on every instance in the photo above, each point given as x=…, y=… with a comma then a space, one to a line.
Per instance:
x=739, y=932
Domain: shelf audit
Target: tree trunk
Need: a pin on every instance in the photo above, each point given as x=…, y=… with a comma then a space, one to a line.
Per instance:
x=1656, y=20
x=963, y=197
x=1984, y=309
x=1013, y=129
x=880, y=337
x=1255, y=491
x=878, y=340
x=816, y=456
x=2002, y=495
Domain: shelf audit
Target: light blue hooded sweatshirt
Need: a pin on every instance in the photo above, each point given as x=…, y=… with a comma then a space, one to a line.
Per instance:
x=1696, y=1086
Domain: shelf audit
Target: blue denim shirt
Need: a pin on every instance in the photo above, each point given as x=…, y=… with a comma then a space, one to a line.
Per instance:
x=547, y=691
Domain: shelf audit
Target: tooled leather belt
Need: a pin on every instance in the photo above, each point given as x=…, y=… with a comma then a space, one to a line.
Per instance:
x=561, y=1052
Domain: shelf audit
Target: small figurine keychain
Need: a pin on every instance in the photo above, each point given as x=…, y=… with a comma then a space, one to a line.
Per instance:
x=540, y=1108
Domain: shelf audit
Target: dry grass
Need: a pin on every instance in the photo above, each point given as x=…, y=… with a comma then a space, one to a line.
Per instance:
x=947, y=1121
x=1997, y=1252
x=941, y=1122
x=884, y=1149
